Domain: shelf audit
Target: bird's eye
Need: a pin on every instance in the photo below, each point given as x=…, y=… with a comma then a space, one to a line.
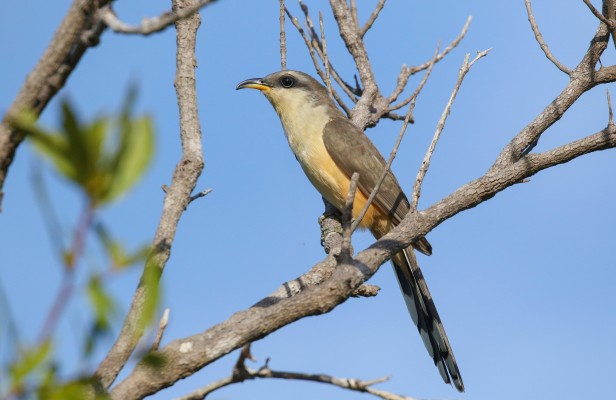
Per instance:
x=287, y=81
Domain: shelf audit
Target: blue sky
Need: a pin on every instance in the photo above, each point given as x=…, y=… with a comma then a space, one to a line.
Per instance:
x=524, y=283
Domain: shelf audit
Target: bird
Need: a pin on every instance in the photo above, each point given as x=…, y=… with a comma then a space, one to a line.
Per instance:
x=329, y=149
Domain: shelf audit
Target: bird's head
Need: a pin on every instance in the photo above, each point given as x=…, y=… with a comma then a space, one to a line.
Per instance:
x=291, y=91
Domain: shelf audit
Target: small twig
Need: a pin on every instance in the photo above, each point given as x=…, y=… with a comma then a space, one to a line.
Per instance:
x=413, y=96
x=199, y=195
x=366, y=291
x=597, y=14
x=407, y=72
x=162, y=325
x=347, y=217
x=148, y=25
x=609, y=108
x=283, y=39
x=328, y=81
x=539, y=38
x=372, y=18
x=354, y=13
x=466, y=66
x=71, y=261
x=265, y=372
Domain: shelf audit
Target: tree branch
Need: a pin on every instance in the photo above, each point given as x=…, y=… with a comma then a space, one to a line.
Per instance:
x=149, y=25
x=539, y=38
x=373, y=17
x=265, y=372
x=178, y=195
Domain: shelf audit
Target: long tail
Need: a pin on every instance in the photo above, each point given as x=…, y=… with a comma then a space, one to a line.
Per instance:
x=423, y=311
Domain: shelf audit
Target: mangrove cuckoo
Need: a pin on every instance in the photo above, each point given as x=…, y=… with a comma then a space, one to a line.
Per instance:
x=330, y=148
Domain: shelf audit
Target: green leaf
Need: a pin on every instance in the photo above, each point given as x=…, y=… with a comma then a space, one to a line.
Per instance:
x=75, y=138
x=49, y=143
x=29, y=361
x=101, y=302
x=134, y=153
x=120, y=258
x=73, y=390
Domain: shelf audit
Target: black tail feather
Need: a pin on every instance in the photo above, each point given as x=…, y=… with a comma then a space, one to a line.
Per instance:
x=423, y=311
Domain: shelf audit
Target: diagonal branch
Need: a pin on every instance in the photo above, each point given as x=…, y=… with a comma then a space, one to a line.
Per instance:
x=597, y=14
x=373, y=17
x=187, y=355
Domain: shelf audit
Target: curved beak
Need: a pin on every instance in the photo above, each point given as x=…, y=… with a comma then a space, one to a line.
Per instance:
x=254, y=83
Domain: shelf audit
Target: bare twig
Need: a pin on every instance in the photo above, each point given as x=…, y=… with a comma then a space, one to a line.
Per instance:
x=178, y=194
x=149, y=25
x=386, y=170
x=407, y=119
x=466, y=66
x=200, y=195
x=407, y=72
x=71, y=261
x=162, y=325
x=539, y=38
x=373, y=17
x=413, y=96
x=265, y=372
x=283, y=38
x=328, y=81
x=597, y=14
x=609, y=108
x=347, y=216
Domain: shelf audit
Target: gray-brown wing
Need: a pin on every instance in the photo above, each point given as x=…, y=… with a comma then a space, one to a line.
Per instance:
x=353, y=152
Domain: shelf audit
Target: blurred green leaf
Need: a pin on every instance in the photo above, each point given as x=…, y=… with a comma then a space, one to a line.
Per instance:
x=51, y=144
x=105, y=163
x=73, y=390
x=101, y=302
x=154, y=360
x=120, y=258
x=29, y=360
x=133, y=155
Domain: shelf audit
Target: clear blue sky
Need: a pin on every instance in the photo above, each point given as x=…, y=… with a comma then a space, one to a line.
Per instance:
x=524, y=283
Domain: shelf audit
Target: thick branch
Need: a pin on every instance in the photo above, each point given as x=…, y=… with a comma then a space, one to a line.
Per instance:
x=186, y=356
x=78, y=31
x=178, y=195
